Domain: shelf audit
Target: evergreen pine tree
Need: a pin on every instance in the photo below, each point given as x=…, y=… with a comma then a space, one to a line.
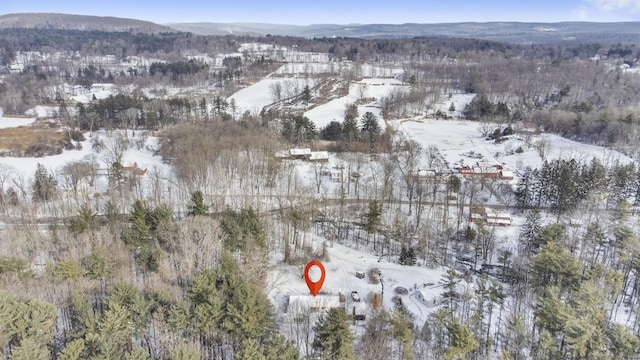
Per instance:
x=44, y=185
x=86, y=220
x=130, y=298
x=585, y=328
x=242, y=229
x=116, y=174
x=333, y=338
x=450, y=283
x=516, y=335
x=207, y=304
x=350, y=131
x=306, y=94
x=594, y=241
x=68, y=269
x=115, y=332
x=28, y=349
x=72, y=350
x=137, y=353
x=197, y=206
x=407, y=256
x=279, y=348
x=26, y=324
x=156, y=218
x=247, y=311
x=402, y=330
x=555, y=266
x=373, y=216
x=524, y=188
x=370, y=129
x=250, y=350
x=100, y=266
x=461, y=340
x=530, y=230
x=139, y=234
x=550, y=313
x=622, y=343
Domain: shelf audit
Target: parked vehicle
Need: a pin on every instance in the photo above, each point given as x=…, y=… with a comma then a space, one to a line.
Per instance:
x=355, y=296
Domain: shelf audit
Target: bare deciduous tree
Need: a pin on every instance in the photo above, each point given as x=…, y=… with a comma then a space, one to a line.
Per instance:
x=409, y=154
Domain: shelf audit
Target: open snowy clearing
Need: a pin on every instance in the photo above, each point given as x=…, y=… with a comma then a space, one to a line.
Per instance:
x=341, y=278
x=457, y=139
x=143, y=156
x=367, y=88
x=11, y=122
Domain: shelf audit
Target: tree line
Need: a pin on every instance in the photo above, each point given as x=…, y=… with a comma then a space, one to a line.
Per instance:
x=565, y=185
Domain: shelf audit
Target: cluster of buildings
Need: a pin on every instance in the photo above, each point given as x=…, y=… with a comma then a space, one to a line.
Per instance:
x=338, y=174
x=490, y=217
x=300, y=308
x=486, y=170
x=303, y=154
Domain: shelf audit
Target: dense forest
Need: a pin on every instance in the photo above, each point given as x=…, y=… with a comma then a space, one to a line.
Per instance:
x=152, y=273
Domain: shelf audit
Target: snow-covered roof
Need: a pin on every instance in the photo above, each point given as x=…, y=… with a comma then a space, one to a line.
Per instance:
x=282, y=154
x=308, y=303
x=102, y=85
x=359, y=306
x=300, y=152
x=497, y=214
x=319, y=155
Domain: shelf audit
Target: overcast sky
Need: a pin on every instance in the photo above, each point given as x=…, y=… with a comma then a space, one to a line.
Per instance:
x=305, y=12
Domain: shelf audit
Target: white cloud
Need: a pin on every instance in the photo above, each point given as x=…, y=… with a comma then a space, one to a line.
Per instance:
x=616, y=4
x=582, y=13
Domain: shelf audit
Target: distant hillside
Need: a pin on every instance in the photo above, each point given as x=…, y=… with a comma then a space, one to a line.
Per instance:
x=513, y=32
x=79, y=22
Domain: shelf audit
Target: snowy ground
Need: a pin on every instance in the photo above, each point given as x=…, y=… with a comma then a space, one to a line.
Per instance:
x=341, y=278
x=455, y=139
x=255, y=97
x=10, y=122
x=23, y=169
x=367, y=88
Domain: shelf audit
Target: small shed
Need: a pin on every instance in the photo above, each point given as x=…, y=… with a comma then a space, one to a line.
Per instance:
x=428, y=298
x=302, y=154
x=505, y=175
x=313, y=304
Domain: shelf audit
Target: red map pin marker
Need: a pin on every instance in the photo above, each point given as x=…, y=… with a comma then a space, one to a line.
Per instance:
x=314, y=287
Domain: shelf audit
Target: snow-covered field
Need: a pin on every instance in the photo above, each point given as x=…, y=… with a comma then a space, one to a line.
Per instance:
x=10, y=122
x=367, y=88
x=457, y=137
